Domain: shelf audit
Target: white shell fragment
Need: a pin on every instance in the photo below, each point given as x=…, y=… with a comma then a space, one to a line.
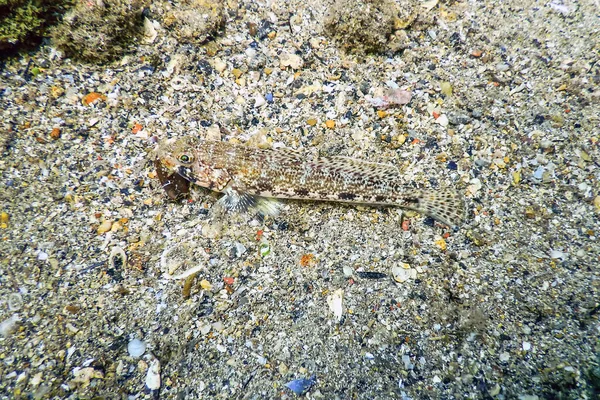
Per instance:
x=175, y=259
x=136, y=348
x=403, y=272
x=334, y=301
x=149, y=31
x=153, y=375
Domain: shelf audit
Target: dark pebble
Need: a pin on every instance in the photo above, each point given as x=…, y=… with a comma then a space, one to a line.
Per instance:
x=371, y=275
x=452, y=166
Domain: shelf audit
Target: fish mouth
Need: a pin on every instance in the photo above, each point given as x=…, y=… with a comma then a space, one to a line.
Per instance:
x=185, y=174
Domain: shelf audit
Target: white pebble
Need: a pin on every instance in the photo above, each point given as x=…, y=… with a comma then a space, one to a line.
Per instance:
x=526, y=346
x=504, y=356
x=259, y=101
x=42, y=256
x=8, y=325
x=335, y=303
x=153, y=375
x=136, y=348
x=442, y=120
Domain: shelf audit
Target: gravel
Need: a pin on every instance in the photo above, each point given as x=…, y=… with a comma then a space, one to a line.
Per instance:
x=330, y=300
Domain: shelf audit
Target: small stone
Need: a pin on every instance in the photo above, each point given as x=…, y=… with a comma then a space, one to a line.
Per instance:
x=290, y=60
x=259, y=101
x=311, y=121
x=403, y=272
x=597, y=204
x=136, y=348
x=153, y=375
x=502, y=67
x=206, y=285
x=8, y=325
x=526, y=346
x=442, y=120
x=91, y=98
x=516, y=177
x=55, y=134
x=240, y=249
x=335, y=303
x=348, y=271
x=219, y=65
x=237, y=72
x=42, y=256
x=441, y=243
x=105, y=226
x=382, y=113
x=504, y=356
x=446, y=88
x=330, y=124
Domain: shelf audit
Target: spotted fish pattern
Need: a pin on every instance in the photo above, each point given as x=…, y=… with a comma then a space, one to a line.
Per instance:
x=250, y=176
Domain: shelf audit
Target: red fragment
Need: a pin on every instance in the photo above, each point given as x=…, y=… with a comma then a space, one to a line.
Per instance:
x=229, y=280
x=446, y=235
x=436, y=115
x=405, y=224
x=259, y=234
x=136, y=128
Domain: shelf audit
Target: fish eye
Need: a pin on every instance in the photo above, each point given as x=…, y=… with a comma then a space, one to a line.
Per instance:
x=185, y=158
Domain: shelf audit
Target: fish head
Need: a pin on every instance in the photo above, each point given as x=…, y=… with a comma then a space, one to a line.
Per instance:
x=183, y=156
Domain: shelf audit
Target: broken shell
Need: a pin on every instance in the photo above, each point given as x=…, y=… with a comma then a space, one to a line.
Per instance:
x=335, y=303
x=403, y=272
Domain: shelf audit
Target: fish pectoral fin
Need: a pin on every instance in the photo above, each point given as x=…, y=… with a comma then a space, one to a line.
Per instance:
x=237, y=201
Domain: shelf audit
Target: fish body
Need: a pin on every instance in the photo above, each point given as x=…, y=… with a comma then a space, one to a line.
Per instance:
x=248, y=175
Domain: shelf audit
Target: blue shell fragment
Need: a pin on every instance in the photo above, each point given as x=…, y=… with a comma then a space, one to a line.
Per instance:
x=302, y=385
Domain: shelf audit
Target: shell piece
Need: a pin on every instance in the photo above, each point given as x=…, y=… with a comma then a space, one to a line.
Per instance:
x=153, y=375
x=403, y=272
x=302, y=385
x=335, y=303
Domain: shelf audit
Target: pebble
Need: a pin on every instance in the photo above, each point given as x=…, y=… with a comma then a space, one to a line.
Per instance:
x=446, y=88
x=403, y=272
x=526, y=346
x=290, y=60
x=502, y=67
x=348, y=271
x=301, y=386
x=8, y=325
x=219, y=65
x=259, y=101
x=136, y=348
x=442, y=120
x=539, y=173
x=105, y=226
x=240, y=249
x=335, y=303
x=504, y=356
x=206, y=285
x=153, y=375
x=42, y=256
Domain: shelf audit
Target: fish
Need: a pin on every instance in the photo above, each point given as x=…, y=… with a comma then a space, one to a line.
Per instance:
x=252, y=177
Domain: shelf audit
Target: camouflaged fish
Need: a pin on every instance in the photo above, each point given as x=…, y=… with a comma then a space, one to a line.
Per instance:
x=249, y=177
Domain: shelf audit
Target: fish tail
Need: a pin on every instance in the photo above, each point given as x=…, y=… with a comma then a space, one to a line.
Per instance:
x=445, y=205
